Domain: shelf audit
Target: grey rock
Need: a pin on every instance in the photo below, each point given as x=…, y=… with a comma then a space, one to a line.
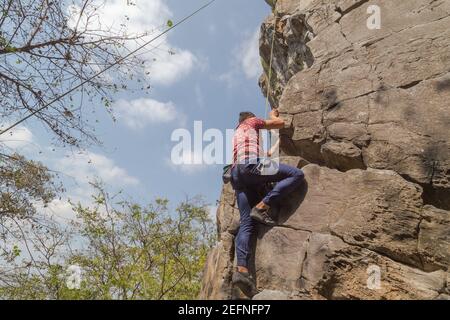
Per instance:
x=216, y=283
x=271, y=295
x=278, y=262
x=336, y=227
x=367, y=119
x=384, y=91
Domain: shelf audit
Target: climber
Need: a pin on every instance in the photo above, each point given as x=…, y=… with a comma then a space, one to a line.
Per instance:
x=247, y=179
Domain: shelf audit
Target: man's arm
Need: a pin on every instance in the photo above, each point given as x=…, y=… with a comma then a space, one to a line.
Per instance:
x=274, y=121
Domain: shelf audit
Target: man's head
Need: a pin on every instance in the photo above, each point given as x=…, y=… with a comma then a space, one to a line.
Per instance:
x=245, y=115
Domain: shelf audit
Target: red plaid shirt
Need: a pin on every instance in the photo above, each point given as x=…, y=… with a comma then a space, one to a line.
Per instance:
x=246, y=140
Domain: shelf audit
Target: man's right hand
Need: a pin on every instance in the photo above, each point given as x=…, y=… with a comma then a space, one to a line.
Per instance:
x=274, y=113
x=275, y=122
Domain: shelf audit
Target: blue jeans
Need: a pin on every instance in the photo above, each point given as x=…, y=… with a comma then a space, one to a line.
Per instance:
x=247, y=182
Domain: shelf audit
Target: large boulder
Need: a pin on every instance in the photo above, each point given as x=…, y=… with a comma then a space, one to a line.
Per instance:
x=360, y=98
x=368, y=119
x=337, y=228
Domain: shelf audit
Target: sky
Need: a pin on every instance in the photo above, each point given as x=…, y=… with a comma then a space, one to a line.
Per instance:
x=211, y=78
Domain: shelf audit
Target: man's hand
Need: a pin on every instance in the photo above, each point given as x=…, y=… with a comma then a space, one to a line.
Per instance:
x=274, y=113
x=275, y=122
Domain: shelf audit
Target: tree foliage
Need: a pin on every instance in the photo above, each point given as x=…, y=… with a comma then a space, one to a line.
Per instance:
x=124, y=251
x=48, y=47
x=23, y=183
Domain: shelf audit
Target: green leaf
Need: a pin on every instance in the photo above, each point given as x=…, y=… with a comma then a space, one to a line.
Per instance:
x=16, y=251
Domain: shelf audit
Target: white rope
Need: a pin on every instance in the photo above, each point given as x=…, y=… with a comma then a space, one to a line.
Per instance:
x=269, y=85
x=270, y=66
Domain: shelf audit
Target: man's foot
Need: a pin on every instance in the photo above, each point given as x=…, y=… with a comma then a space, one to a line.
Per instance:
x=262, y=216
x=245, y=282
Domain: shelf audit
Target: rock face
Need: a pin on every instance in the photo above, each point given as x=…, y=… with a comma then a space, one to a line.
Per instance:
x=369, y=110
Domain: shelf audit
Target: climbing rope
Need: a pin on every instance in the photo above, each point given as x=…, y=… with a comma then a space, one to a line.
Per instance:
x=270, y=65
x=269, y=85
x=108, y=67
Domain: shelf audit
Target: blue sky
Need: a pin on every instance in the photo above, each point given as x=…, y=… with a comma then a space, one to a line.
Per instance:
x=212, y=77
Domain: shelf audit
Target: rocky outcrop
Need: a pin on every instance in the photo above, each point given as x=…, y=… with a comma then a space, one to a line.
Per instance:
x=371, y=98
x=332, y=231
x=368, y=109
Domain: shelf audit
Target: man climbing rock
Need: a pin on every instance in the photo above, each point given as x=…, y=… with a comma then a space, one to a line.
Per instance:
x=247, y=178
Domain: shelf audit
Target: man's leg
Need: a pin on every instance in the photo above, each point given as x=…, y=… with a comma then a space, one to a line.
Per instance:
x=246, y=200
x=242, y=277
x=288, y=179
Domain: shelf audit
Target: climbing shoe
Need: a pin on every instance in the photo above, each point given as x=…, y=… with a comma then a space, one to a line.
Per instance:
x=262, y=216
x=245, y=282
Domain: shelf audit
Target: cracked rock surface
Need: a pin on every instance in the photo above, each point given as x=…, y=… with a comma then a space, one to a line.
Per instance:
x=368, y=118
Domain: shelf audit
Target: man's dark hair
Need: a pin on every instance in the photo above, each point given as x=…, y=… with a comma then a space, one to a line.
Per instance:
x=245, y=115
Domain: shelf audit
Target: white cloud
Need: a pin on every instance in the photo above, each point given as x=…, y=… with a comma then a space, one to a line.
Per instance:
x=78, y=170
x=138, y=113
x=60, y=209
x=83, y=167
x=145, y=16
x=192, y=163
x=168, y=69
x=249, y=56
x=245, y=60
x=86, y=166
x=17, y=137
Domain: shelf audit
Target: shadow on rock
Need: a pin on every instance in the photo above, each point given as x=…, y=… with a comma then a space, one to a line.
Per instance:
x=287, y=206
x=290, y=203
x=331, y=98
x=443, y=85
